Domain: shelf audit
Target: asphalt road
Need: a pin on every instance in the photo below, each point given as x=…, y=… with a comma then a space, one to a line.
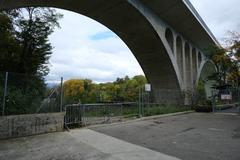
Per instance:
x=79, y=144
x=195, y=136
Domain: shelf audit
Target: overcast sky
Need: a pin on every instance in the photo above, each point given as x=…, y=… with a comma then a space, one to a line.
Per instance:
x=83, y=48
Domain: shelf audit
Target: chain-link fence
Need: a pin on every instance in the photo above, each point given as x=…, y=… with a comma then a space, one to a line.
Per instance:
x=27, y=94
x=226, y=100
x=2, y=77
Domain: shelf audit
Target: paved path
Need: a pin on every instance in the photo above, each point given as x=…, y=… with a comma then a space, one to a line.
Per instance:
x=195, y=136
x=81, y=144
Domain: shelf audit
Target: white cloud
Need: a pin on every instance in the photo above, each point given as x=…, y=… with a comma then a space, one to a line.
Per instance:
x=77, y=55
x=220, y=16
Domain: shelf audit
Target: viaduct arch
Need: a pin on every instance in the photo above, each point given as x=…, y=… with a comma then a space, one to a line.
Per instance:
x=166, y=37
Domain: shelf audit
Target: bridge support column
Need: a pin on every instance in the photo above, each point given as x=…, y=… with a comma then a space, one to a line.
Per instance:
x=197, y=51
x=168, y=96
x=175, y=47
x=191, y=69
x=187, y=91
x=184, y=65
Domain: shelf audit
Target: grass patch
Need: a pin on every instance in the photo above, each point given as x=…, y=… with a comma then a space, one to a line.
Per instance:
x=163, y=109
x=133, y=111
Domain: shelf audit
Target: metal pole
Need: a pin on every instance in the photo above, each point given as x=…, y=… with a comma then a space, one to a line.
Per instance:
x=238, y=98
x=148, y=94
x=143, y=100
x=213, y=101
x=139, y=102
x=5, y=93
x=61, y=98
x=121, y=111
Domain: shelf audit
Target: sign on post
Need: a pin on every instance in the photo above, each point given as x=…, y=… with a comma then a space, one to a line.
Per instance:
x=226, y=97
x=148, y=87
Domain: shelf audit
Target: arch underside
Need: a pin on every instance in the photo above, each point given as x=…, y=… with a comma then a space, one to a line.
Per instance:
x=133, y=28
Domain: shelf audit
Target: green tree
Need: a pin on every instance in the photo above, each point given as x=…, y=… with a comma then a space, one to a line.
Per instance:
x=9, y=47
x=25, y=49
x=34, y=26
x=226, y=60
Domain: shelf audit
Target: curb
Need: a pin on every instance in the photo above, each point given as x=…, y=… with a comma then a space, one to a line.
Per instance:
x=139, y=119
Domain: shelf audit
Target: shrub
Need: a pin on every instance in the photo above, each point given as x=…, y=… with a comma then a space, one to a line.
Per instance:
x=205, y=107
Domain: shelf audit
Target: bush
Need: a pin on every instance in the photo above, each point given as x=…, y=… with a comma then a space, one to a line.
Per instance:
x=203, y=108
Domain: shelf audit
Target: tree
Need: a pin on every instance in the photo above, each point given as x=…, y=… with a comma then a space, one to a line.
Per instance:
x=9, y=47
x=24, y=39
x=73, y=90
x=222, y=63
x=227, y=61
x=79, y=91
x=85, y=91
x=25, y=49
x=34, y=26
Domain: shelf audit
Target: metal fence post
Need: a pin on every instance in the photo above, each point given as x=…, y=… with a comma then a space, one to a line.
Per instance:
x=61, y=98
x=5, y=93
x=143, y=101
x=84, y=116
x=238, y=99
x=139, y=102
x=213, y=101
x=148, y=103
x=121, y=109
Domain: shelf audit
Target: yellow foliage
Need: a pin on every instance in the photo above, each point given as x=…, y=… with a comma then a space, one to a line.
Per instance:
x=73, y=88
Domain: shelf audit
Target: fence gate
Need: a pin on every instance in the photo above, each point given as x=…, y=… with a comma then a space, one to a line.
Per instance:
x=89, y=114
x=73, y=115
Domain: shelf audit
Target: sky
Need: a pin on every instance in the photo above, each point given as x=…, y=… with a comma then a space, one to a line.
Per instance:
x=83, y=48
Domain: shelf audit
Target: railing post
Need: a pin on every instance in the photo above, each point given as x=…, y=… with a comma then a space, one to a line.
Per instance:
x=61, y=98
x=5, y=93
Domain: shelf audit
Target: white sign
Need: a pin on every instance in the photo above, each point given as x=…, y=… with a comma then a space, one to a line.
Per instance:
x=226, y=96
x=148, y=87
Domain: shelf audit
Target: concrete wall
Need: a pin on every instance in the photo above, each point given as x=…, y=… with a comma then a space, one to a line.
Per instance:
x=32, y=124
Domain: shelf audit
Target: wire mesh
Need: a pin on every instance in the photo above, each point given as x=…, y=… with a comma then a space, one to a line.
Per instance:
x=28, y=94
x=2, y=78
x=226, y=100
x=89, y=114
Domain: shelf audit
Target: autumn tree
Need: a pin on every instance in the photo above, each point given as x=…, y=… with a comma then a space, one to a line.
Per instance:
x=79, y=91
x=85, y=91
x=226, y=60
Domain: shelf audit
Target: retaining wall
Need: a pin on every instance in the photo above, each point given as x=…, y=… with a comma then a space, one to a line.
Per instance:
x=32, y=124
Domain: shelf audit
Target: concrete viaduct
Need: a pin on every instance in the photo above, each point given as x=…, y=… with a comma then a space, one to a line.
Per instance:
x=167, y=37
